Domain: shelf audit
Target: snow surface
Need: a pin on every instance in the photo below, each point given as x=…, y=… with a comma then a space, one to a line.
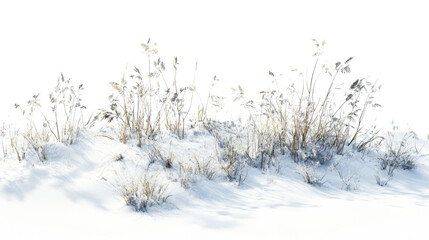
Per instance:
x=73, y=196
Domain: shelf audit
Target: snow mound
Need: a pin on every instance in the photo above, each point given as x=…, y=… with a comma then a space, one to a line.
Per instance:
x=75, y=195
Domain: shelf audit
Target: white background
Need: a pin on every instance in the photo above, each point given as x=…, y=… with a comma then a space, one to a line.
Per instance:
x=93, y=41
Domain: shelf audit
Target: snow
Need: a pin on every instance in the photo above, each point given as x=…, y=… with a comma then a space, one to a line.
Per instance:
x=73, y=196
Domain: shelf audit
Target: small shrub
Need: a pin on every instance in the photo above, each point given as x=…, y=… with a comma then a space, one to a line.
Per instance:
x=143, y=192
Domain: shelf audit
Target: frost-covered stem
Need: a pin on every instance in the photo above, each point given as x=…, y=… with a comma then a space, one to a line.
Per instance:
x=358, y=128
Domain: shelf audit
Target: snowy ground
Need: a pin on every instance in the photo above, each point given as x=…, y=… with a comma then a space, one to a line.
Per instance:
x=73, y=196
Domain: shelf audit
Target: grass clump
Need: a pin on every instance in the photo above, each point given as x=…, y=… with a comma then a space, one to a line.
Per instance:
x=133, y=111
x=309, y=174
x=400, y=152
x=143, y=192
x=166, y=158
x=382, y=181
x=62, y=123
x=232, y=161
x=314, y=118
x=17, y=143
x=4, y=146
x=195, y=167
x=146, y=103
